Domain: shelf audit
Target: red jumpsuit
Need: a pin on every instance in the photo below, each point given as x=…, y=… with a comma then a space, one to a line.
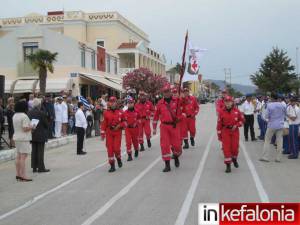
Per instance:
x=132, y=130
x=219, y=105
x=145, y=111
x=111, y=127
x=190, y=109
x=229, y=137
x=170, y=137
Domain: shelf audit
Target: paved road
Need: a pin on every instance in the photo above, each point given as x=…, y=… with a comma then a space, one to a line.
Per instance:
x=79, y=190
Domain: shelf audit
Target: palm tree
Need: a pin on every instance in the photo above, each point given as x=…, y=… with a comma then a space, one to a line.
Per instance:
x=42, y=61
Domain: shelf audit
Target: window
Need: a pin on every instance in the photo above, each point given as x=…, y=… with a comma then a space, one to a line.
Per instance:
x=93, y=60
x=116, y=66
x=29, y=48
x=108, y=63
x=100, y=43
x=82, y=57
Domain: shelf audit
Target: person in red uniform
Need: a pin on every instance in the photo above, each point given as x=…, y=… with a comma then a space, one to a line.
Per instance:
x=111, y=128
x=220, y=102
x=190, y=109
x=132, y=130
x=181, y=123
x=145, y=109
x=229, y=121
x=169, y=113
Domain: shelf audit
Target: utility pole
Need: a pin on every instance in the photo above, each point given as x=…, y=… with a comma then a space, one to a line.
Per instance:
x=297, y=63
x=227, y=72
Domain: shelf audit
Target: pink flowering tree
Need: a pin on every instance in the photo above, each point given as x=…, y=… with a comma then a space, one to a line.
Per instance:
x=143, y=79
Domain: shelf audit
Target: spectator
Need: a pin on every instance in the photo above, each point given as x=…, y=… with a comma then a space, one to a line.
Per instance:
x=9, y=115
x=50, y=113
x=31, y=97
x=293, y=115
x=39, y=137
x=22, y=137
x=75, y=108
x=98, y=114
x=1, y=121
x=247, y=109
x=275, y=116
x=65, y=119
x=81, y=125
x=71, y=115
x=89, y=118
x=104, y=101
x=58, y=117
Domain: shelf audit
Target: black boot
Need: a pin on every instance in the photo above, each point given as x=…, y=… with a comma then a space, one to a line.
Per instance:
x=167, y=166
x=192, y=141
x=235, y=163
x=228, y=168
x=186, y=144
x=112, y=168
x=176, y=160
x=136, y=153
x=142, y=147
x=149, y=143
x=120, y=164
x=129, y=157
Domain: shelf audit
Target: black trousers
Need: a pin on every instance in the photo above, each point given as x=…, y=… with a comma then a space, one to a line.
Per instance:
x=80, y=137
x=37, y=155
x=249, y=123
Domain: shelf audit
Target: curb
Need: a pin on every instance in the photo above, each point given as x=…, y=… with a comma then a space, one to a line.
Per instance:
x=7, y=155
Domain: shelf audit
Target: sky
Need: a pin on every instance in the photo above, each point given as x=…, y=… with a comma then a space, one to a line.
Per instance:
x=237, y=33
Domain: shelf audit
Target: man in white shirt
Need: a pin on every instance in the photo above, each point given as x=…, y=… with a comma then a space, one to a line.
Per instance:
x=293, y=115
x=81, y=125
x=58, y=117
x=248, y=110
x=103, y=101
x=258, y=110
x=65, y=118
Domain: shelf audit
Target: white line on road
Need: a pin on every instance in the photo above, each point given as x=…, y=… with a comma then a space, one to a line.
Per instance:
x=119, y=195
x=185, y=208
x=259, y=186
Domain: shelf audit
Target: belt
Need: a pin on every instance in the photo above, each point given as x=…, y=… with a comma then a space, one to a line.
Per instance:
x=189, y=116
x=228, y=127
x=112, y=127
x=132, y=126
x=168, y=123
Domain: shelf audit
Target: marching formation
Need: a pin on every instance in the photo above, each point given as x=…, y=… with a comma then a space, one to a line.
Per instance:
x=177, y=116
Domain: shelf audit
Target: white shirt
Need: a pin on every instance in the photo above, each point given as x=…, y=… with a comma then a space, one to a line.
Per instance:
x=247, y=108
x=103, y=102
x=293, y=112
x=80, y=119
x=259, y=106
x=58, y=112
x=64, y=112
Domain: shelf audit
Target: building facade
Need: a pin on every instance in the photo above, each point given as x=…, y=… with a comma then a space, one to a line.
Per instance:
x=94, y=50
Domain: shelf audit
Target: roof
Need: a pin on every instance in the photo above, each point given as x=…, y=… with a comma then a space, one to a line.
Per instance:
x=128, y=45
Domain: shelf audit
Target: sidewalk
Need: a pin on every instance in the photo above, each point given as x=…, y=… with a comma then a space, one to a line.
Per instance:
x=6, y=155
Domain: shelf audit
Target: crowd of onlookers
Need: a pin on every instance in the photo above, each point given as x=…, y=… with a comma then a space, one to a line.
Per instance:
x=278, y=118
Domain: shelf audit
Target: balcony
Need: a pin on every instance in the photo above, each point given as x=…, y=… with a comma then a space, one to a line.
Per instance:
x=123, y=71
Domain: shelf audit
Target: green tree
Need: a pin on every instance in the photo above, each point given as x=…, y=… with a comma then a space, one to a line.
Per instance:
x=276, y=73
x=42, y=61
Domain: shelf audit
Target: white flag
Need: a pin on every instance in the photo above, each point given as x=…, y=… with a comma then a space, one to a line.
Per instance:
x=192, y=70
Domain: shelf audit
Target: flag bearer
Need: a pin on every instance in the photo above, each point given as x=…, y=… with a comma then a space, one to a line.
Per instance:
x=229, y=121
x=190, y=109
x=145, y=109
x=132, y=130
x=169, y=113
x=111, y=128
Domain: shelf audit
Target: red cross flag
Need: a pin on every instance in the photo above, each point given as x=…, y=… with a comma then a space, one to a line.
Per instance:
x=192, y=70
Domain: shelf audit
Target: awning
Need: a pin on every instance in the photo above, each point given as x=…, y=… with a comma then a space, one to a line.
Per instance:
x=23, y=86
x=8, y=84
x=56, y=85
x=103, y=81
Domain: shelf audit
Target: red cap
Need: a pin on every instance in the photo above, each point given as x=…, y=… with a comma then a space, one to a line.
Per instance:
x=112, y=99
x=228, y=99
x=167, y=87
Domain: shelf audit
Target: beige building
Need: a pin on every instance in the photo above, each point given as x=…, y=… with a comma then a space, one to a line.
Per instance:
x=95, y=50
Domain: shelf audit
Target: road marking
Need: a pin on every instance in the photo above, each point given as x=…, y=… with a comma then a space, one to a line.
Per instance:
x=185, y=208
x=259, y=186
x=119, y=195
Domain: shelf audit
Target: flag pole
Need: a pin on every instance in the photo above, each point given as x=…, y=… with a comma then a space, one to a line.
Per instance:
x=182, y=69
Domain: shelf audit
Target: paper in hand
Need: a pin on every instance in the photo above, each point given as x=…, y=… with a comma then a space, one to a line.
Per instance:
x=34, y=122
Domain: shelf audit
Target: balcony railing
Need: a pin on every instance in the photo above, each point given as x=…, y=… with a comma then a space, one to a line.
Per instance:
x=123, y=71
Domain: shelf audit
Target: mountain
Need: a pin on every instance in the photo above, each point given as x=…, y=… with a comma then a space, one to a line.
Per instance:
x=245, y=89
